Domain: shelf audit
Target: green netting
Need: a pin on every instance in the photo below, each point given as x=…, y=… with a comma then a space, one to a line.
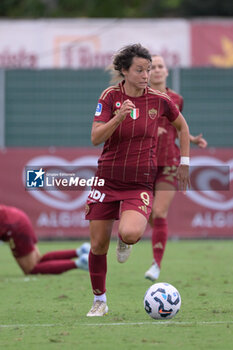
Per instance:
x=56, y=107
x=51, y=107
x=208, y=103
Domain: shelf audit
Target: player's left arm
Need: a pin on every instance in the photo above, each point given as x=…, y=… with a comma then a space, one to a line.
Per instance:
x=183, y=170
x=198, y=140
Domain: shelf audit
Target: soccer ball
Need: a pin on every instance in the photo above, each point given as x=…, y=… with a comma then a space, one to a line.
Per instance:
x=162, y=301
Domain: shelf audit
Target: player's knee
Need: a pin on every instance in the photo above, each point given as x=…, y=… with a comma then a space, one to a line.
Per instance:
x=130, y=235
x=99, y=248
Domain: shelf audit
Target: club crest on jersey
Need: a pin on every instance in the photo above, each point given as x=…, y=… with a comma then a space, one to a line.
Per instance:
x=98, y=110
x=153, y=113
x=134, y=114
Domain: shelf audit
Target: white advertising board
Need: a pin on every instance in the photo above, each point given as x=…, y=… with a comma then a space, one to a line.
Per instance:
x=89, y=43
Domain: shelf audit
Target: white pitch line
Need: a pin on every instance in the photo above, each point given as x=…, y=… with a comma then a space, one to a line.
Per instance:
x=28, y=325
x=164, y=323
x=19, y=280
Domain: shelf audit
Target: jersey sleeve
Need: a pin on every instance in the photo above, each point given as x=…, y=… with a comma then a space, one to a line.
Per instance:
x=181, y=104
x=170, y=110
x=103, y=111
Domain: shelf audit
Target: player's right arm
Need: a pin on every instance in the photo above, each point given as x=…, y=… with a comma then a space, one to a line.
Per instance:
x=101, y=131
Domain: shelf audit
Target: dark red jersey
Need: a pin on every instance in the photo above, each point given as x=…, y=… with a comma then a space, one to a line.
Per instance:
x=17, y=230
x=12, y=220
x=168, y=153
x=130, y=153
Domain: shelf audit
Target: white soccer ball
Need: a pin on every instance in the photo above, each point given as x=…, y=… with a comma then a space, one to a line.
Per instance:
x=162, y=301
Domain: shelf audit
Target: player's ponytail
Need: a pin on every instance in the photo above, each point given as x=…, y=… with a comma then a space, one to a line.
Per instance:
x=115, y=75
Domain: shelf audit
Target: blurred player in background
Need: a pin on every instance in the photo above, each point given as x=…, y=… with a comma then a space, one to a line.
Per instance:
x=126, y=121
x=168, y=157
x=16, y=229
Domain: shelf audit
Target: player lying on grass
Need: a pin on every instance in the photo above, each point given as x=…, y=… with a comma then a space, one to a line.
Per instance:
x=16, y=229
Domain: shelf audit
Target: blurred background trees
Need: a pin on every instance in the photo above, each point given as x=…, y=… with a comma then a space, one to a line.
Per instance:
x=115, y=8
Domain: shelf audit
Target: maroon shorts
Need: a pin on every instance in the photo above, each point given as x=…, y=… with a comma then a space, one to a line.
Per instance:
x=21, y=237
x=105, y=202
x=167, y=174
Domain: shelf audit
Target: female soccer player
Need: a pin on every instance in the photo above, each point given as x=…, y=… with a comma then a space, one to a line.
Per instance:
x=168, y=158
x=126, y=120
x=17, y=230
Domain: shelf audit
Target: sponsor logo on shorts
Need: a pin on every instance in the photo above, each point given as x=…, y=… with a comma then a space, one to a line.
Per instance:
x=98, y=110
x=96, y=196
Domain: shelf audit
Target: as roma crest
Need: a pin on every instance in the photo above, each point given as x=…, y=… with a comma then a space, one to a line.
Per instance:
x=153, y=113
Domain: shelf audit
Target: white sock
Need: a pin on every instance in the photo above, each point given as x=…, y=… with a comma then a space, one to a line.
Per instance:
x=101, y=297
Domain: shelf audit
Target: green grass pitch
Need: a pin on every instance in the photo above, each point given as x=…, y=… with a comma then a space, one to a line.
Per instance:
x=48, y=312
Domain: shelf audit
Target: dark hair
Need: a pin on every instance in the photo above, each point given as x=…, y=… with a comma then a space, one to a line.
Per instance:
x=124, y=57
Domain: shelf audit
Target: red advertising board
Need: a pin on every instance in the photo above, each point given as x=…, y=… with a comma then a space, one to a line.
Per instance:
x=212, y=43
x=203, y=212
x=206, y=210
x=53, y=213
